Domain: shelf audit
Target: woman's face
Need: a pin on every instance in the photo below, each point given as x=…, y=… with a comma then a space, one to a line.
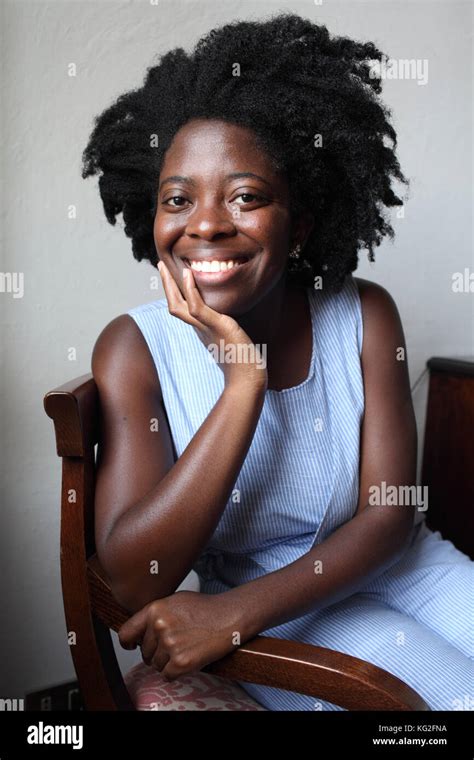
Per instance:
x=223, y=206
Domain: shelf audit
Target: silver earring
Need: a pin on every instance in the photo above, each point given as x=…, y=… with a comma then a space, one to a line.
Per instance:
x=295, y=252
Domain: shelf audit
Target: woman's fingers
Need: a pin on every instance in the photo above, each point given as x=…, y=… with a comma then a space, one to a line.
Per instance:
x=153, y=652
x=195, y=303
x=148, y=645
x=160, y=660
x=194, y=311
x=176, y=303
x=171, y=671
x=172, y=292
x=196, y=306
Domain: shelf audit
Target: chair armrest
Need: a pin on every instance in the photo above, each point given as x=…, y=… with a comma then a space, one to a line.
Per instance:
x=318, y=672
x=291, y=665
x=103, y=603
x=74, y=409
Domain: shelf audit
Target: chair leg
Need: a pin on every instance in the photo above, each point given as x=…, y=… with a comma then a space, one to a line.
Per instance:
x=112, y=673
x=100, y=679
x=93, y=654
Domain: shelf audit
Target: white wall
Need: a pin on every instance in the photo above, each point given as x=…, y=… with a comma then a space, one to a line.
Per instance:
x=80, y=273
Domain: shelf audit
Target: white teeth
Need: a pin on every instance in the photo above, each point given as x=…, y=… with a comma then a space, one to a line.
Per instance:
x=213, y=266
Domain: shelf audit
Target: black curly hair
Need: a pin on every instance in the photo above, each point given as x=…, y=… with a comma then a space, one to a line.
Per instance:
x=295, y=82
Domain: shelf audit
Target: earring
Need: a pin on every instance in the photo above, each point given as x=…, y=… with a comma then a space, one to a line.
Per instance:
x=295, y=252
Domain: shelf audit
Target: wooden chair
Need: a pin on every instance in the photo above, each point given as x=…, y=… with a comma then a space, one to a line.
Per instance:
x=92, y=612
x=448, y=457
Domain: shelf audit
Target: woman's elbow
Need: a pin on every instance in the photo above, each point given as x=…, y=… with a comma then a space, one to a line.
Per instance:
x=132, y=590
x=128, y=597
x=123, y=587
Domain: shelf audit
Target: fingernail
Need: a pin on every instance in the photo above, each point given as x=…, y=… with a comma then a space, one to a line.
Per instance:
x=185, y=273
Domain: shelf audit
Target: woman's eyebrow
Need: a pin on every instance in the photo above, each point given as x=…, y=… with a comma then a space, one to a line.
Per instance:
x=176, y=178
x=239, y=175
x=233, y=175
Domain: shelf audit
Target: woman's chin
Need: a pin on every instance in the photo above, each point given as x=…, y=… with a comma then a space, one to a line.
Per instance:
x=225, y=303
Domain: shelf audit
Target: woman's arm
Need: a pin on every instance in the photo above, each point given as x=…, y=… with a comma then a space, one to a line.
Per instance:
x=149, y=509
x=363, y=547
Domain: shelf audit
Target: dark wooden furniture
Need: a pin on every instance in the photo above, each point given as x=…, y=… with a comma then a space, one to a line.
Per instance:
x=448, y=458
x=92, y=612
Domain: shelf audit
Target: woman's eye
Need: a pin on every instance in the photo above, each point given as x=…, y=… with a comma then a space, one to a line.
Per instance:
x=178, y=200
x=248, y=198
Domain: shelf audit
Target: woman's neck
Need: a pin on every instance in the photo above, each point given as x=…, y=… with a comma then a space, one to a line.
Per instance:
x=264, y=323
x=282, y=323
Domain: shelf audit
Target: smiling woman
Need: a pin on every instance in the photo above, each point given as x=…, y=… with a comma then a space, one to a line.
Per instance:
x=263, y=185
x=232, y=228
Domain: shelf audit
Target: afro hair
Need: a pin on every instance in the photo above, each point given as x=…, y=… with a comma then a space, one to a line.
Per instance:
x=311, y=99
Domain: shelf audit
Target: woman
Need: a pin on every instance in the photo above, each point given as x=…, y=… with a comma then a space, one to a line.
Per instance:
x=252, y=171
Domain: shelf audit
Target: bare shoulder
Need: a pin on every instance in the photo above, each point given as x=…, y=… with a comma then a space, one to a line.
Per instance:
x=380, y=315
x=374, y=297
x=384, y=355
x=121, y=356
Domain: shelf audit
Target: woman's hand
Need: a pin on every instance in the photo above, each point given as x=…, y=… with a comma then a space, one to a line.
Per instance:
x=215, y=330
x=182, y=633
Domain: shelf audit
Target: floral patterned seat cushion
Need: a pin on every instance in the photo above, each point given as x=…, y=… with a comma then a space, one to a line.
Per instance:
x=199, y=691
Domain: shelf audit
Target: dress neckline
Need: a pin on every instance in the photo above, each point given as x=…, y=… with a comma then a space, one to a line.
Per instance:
x=309, y=295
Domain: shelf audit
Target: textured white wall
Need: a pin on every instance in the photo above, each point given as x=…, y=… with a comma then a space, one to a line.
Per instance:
x=80, y=273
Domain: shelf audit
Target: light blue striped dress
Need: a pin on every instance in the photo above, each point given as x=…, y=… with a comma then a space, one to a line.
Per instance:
x=299, y=482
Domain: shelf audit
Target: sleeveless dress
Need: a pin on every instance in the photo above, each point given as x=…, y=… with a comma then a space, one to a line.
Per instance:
x=298, y=484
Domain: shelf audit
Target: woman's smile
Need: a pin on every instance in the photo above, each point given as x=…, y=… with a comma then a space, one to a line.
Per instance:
x=215, y=267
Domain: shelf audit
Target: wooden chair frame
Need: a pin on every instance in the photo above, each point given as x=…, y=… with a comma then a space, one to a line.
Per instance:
x=92, y=612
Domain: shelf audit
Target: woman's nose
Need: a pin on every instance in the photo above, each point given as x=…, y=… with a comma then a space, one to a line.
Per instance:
x=209, y=221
